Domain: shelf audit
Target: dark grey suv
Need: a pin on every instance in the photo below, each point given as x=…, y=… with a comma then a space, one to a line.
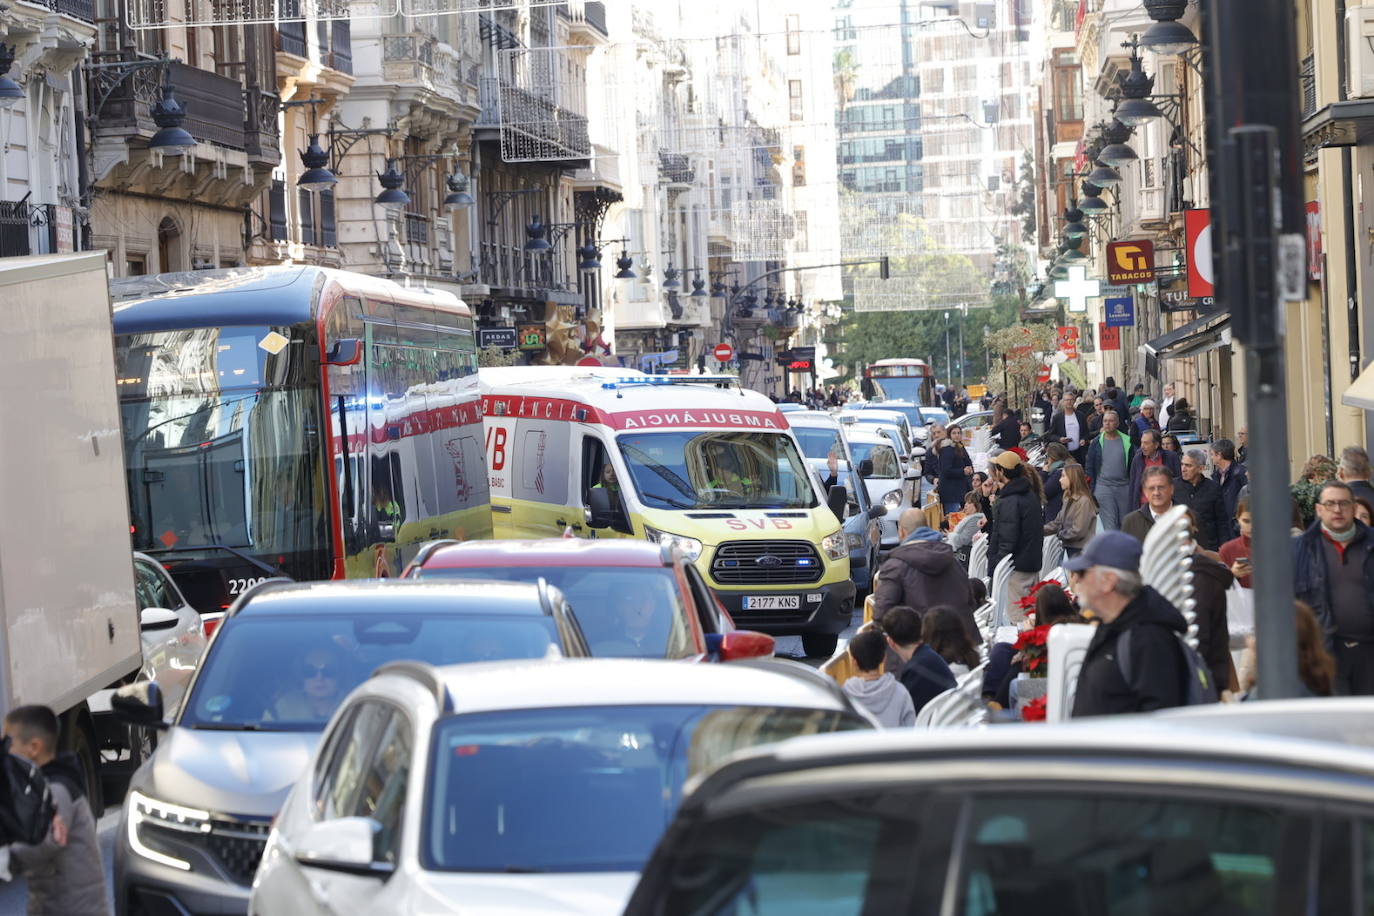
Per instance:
x=199, y=810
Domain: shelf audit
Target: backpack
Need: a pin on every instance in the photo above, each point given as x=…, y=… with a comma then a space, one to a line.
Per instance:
x=26, y=804
x=1197, y=690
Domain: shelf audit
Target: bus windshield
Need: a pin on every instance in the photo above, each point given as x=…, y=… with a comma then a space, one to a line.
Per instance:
x=900, y=389
x=221, y=442
x=741, y=470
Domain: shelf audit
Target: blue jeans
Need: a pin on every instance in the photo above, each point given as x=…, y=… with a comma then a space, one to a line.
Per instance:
x=1114, y=504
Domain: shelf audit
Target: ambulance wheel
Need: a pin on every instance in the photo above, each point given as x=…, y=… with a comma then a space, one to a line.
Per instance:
x=819, y=645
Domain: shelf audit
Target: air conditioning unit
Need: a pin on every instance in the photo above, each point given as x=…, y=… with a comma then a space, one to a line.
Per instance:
x=1359, y=39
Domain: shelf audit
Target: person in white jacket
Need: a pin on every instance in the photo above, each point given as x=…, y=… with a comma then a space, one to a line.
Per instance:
x=880, y=693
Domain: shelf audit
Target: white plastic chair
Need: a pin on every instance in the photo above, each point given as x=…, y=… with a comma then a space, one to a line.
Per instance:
x=978, y=557
x=1053, y=551
x=985, y=617
x=959, y=707
x=998, y=591
x=1067, y=645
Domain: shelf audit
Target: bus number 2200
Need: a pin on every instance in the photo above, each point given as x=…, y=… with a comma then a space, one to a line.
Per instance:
x=239, y=586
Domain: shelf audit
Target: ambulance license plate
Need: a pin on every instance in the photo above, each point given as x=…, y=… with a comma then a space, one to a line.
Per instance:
x=772, y=602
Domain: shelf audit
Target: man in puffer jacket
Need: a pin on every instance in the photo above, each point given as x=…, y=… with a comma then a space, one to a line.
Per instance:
x=922, y=572
x=1017, y=528
x=66, y=877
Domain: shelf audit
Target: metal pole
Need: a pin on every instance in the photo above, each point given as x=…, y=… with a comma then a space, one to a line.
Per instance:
x=962, y=318
x=949, y=366
x=1251, y=71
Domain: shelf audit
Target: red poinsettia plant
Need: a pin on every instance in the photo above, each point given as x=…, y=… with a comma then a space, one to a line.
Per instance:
x=1032, y=651
x=1027, y=603
x=1035, y=710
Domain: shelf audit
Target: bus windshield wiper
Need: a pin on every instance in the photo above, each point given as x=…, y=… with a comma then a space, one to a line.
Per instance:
x=245, y=557
x=675, y=503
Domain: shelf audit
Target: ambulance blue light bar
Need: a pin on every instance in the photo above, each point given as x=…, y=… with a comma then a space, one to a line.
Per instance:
x=628, y=380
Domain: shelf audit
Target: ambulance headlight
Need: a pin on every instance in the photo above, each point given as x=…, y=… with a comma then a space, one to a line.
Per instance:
x=835, y=546
x=690, y=547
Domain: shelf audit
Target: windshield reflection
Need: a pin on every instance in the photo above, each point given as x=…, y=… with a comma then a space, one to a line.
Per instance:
x=742, y=470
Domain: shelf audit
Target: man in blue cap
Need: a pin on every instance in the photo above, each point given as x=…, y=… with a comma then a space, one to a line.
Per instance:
x=1135, y=662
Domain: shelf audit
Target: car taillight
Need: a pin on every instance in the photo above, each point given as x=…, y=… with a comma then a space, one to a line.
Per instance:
x=209, y=625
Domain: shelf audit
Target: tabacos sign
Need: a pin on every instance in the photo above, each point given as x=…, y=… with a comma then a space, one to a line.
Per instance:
x=1131, y=262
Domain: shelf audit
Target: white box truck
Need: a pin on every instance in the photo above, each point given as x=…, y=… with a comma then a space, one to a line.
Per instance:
x=71, y=622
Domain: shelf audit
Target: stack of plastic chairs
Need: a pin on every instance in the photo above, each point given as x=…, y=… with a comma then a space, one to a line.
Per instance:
x=1053, y=552
x=978, y=558
x=959, y=707
x=998, y=591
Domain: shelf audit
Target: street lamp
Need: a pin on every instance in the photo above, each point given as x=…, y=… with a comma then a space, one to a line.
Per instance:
x=535, y=233
x=1074, y=227
x=458, y=197
x=1091, y=203
x=670, y=278
x=10, y=91
x=624, y=263
x=317, y=176
x=591, y=258
x=1136, y=87
x=392, y=197
x=1116, y=153
x=168, y=114
x=1167, y=35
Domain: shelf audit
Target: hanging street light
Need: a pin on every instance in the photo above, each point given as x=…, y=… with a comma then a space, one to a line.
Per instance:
x=1116, y=153
x=392, y=196
x=1074, y=227
x=535, y=233
x=1136, y=108
x=623, y=265
x=168, y=114
x=317, y=176
x=1167, y=35
x=591, y=258
x=10, y=91
x=670, y=278
x=698, y=289
x=458, y=197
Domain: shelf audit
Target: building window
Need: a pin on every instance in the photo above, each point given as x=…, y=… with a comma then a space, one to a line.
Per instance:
x=793, y=33
x=1068, y=86
x=794, y=99
x=798, y=166
x=329, y=231
x=276, y=211
x=307, y=213
x=135, y=265
x=802, y=233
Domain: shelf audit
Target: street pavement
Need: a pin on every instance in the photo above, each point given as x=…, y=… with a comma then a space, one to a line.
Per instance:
x=14, y=894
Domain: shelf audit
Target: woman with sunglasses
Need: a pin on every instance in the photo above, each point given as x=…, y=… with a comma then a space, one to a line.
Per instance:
x=318, y=694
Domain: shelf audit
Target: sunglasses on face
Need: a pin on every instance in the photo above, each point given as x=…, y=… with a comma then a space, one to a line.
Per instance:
x=309, y=670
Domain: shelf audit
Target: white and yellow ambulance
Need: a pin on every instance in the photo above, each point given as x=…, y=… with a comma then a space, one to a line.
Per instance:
x=691, y=460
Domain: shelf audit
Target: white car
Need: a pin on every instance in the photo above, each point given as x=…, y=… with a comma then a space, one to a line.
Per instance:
x=882, y=477
x=172, y=631
x=873, y=416
x=511, y=788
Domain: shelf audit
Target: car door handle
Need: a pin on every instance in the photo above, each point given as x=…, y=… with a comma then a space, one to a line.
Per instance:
x=563, y=524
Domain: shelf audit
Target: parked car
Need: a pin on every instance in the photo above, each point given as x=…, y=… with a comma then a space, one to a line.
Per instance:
x=971, y=421
x=911, y=433
x=917, y=416
x=1111, y=819
x=516, y=787
x=198, y=811
x=880, y=470
x=820, y=436
x=632, y=599
x=173, y=634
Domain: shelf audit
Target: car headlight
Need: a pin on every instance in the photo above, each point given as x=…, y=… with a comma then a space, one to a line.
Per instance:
x=892, y=499
x=150, y=820
x=855, y=541
x=690, y=547
x=835, y=546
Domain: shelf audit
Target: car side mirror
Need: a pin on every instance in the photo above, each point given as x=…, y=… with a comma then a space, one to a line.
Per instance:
x=866, y=467
x=877, y=511
x=837, y=499
x=345, y=844
x=740, y=644
x=918, y=452
x=346, y=351
x=151, y=619
x=139, y=703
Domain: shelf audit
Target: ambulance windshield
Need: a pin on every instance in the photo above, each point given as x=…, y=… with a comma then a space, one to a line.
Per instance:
x=718, y=469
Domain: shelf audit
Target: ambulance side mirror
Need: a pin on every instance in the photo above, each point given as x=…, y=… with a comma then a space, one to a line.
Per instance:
x=838, y=500
x=600, y=512
x=866, y=467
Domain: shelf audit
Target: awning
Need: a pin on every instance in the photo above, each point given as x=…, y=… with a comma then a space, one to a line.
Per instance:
x=1348, y=123
x=1361, y=391
x=1196, y=337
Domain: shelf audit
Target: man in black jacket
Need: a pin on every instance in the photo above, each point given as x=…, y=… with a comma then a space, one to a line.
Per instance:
x=1200, y=493
x=1158, y=485
x=1230, y=476
x=1333, y=572
x=1151, y=673
x=1006, y=429
x=1017, y=528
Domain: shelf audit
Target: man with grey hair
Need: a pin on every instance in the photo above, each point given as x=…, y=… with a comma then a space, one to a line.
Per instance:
x=1201, y=493
x=1355, y=471
x=1135, y=662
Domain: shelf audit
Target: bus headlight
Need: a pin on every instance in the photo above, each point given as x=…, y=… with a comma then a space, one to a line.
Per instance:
x=690, y=547
x=892, y=499
x=835, y=546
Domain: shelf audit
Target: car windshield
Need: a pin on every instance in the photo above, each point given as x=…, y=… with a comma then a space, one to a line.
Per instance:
x=883, y=457
x=697, y=470
x=886, y=426
x=288, y=673
x=583, y=789
x=222, y=444
x=819, y=441
x=934, y=414
x=916, y=416
x=623, y=612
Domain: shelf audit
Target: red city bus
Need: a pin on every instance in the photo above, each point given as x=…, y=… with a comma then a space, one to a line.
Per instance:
x=900, y=380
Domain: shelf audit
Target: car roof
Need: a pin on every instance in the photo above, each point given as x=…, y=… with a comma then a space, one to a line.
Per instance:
x=390, y=596
x=868, y=438
x=542, y=684
x=812, y=418
x=547, y=552
x=1338, y=720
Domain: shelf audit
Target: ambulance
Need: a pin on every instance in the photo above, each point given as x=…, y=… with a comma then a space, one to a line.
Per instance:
x=695, y=461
